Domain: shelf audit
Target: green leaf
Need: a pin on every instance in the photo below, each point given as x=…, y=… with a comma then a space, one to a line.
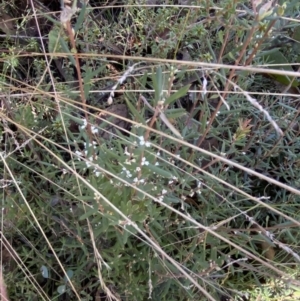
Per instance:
x=213, y=254
x=66, y=49
x=54, y=40
x=122, y=237
x=157, y=79
x=135, y=112
x=51, y=19
x=165, y=288
x=220, y=34
x=277, y=58
x=296, y=34
x=87, y=79
x=58, y=44
x=180, y=93
x=171, y=200
x=159, y=171
x=144, y=79
x=175, y=113
x=88, y=213
x=80, y=18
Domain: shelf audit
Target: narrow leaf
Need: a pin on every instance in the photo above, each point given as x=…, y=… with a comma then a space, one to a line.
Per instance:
x=54, y=37
x=159, y=171
x=87, y=79
x=157, y=79
x=80, y=18
x=175, y=113
x=88, y=213
x=180, y=93
x=135, y=112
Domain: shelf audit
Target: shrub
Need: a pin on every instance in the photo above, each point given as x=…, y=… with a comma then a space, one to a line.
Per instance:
x=150, y=151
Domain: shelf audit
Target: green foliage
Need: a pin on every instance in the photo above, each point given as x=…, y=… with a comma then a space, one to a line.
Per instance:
x=182, y=188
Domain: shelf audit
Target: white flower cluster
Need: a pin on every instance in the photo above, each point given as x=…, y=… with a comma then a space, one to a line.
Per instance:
x=94, y=129
x=88, y=160
x=143, y=142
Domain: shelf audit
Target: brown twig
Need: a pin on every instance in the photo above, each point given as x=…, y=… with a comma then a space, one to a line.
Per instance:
x=253, y=53
x=80, y=81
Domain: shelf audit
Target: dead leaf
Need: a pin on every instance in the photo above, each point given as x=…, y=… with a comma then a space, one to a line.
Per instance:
x=113, y=123
x=7, y=24
x=268, y=250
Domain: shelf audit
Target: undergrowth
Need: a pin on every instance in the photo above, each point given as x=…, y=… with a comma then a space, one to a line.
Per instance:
x=150, y=149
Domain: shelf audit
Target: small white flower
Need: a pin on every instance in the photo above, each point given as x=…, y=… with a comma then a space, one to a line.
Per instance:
x=144, y=162
x=93, y=143
x=128, y=162
x=138, y=169
x=97, y=173
x=78, y=153
x=84, y=124
x=164, y=191
x=161, y=198
x=147, y=144
x=156, y=163
x=94, y=130
x=97, y=196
